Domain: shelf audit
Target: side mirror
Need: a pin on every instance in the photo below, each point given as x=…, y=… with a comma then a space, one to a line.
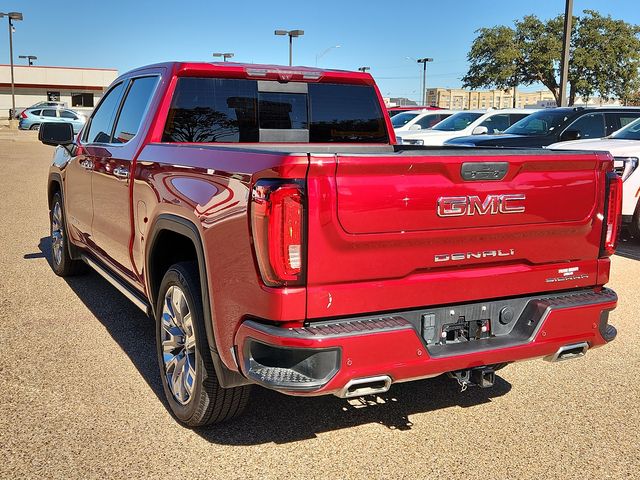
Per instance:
x=480, y=130
x=570, y=135
x=56, y=133
x=415, y=126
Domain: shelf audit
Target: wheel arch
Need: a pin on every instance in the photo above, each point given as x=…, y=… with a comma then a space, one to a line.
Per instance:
x=168, y=226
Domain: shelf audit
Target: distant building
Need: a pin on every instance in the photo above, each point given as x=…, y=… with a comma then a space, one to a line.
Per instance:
x=77, y=87
x=399, y=102
x=462, y=99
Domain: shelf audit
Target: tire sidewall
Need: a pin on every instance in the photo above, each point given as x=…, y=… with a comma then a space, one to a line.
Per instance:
x=177, y=276
x=59, y=268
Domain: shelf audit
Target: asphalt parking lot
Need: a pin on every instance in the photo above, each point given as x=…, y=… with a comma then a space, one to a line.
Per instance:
x=81, y=396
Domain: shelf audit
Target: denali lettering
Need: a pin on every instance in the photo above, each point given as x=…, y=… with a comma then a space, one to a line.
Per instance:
x=470, y=205
x=448, y=257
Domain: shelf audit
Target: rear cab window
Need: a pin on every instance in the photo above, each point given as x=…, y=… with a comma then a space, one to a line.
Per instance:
x=207, y=110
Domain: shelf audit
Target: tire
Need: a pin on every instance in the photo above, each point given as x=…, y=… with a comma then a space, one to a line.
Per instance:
x=189, y=380
x=35, y=126
x=61, y=262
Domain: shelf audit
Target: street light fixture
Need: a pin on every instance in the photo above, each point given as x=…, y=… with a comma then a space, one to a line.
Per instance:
x=223, y=55
x=324, y=52
x=12, y=16
x=29, y=58
x=364, y=69
x=424, y=62
x=291, y=34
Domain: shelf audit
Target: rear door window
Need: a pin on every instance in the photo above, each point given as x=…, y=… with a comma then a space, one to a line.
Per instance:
x=133, y=108
x=496, y=123
x=102, y=119
x=49, y=113
x=428, y=121
x=615, y=121
x=590, y=125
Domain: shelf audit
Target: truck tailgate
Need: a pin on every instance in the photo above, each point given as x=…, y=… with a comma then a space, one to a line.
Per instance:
x=410, y=229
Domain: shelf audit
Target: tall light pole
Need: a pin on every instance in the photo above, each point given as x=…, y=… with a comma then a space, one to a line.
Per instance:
x=324, y=52
x=364, y=69
x=12, y=16
x=29, y=58
x=291, y=33
x=223, y=55
x=424, y=62
x=566, y=45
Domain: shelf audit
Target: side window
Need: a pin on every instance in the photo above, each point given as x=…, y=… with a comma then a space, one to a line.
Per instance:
x=589, y=126
x=496, y=123
x=49, y=113
x=615, y=121
x=133, y=108
x=66, y=114
x=516, y=117
x=37, y=113
x=102, y=119
x=428, y=121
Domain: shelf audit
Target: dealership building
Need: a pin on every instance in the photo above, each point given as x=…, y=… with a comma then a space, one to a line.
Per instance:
x=78, y=88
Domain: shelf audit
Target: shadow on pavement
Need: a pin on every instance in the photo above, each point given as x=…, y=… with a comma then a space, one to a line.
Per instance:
x=271, y=417
x=628, y=247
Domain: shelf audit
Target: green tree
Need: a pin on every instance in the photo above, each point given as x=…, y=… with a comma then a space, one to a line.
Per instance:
x=604, y=56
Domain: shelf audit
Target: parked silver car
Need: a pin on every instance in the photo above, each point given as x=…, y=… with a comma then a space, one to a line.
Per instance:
x=31, y=118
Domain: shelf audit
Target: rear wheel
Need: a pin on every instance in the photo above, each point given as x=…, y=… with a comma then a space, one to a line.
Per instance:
x=188, y=376
x=61, y=261
x=35, y=126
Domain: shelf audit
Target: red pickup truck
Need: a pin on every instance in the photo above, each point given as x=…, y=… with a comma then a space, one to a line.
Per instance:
x=265, y=218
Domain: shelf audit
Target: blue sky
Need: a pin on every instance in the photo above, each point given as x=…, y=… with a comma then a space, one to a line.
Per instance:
x=380, y=34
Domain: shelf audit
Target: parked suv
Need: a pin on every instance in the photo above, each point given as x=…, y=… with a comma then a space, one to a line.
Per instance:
x=624, y=145
x=416, y=120
x=468, y=122
x=552, y=125
x=32, y=118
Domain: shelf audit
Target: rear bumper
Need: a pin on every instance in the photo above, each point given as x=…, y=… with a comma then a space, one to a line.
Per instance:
x=326, y=357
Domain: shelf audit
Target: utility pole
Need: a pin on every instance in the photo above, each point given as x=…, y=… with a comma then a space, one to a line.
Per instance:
x=364, y=69
x=223, y=55
x=566, y=44
x=12, y=16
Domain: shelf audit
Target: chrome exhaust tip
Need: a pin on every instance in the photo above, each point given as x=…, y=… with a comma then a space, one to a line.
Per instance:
x=359, y=387
x=567, y=352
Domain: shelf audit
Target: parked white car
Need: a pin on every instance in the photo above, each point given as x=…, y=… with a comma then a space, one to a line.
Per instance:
x=624, y=145
x=417, y=120
x=466, y=122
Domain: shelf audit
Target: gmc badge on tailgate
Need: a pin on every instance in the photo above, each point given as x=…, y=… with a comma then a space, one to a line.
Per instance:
x=472, y=205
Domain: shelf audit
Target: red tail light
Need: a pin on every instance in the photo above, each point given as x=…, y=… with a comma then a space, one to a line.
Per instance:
x=277, y=224
x=613, y=215
x=23, y=115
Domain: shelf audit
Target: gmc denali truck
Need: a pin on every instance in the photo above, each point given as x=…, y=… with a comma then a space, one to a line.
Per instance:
x=266, y=220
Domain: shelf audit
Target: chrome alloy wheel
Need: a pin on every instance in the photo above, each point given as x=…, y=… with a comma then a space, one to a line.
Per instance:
x=57, y=233
x=178, y=345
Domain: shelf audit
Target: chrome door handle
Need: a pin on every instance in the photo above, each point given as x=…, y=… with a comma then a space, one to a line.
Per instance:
x=86, y=164
x=121, y=172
